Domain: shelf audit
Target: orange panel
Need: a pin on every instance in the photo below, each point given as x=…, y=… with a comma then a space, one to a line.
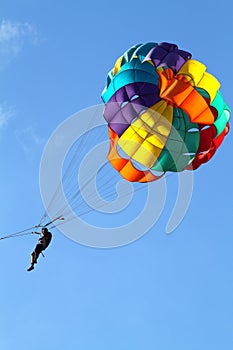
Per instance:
x=181, y=94
x=124, y=166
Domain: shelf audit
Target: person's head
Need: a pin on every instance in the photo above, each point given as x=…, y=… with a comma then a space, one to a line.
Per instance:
x=44, y=230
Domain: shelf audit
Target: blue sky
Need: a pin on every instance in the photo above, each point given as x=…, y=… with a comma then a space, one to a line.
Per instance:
x=160, y=292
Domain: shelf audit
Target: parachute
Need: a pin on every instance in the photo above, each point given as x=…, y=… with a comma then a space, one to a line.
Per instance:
x=164, y=112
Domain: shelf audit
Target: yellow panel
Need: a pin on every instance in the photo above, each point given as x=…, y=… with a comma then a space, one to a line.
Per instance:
x=143, y=131
x=193, y=69
x=210, y=84
x=138, y=123
x=155, y=124
x=157, y=140
x=155, y=136
x=148, y=117
x=202, y=79
x=146, y=137
x=130, y=141
x=149, y=61
x=163, y=128
x=117, y=65
x=147, y=154
x=160, y=69
x=153, y=114
x=129, y=134
x=160, y=110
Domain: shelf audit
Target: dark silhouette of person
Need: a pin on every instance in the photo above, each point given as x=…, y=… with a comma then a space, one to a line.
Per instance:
x=42, y=244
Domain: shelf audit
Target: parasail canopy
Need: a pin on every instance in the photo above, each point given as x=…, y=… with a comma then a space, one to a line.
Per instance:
x=164, y=112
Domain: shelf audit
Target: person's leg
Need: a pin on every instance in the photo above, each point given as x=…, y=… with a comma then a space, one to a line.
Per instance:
x=36, y=253
x=34, y=256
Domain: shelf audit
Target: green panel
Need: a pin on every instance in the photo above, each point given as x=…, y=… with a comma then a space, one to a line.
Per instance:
x=221, y=122
x=109, y=77
x=129, y=54
x=139, y=50
x=143, y=50
x=218, y=103
x=202, y=92
x=131, y=72
x=181, y=146
x=223, y=113
x=175, y=163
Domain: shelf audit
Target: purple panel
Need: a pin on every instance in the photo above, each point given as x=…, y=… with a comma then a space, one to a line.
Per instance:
x=156, y=55
x=168, y=47
x=174, y=61
x=185, y=54
x=168, y=55
x=147, y=93
x=127, y=103
x=122, y=116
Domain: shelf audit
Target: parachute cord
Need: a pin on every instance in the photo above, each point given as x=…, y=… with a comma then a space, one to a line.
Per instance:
x=45, y=215
x=73, y=161
x=20, y=233
x=84, y=208
x=53, y=220
x=29, y=231
x=77, y=194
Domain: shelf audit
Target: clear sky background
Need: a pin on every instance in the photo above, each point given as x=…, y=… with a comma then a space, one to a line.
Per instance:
x=162, y=291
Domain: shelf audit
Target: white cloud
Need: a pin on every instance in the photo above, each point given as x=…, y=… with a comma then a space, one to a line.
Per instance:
x=29, y=139
x=5, y=114
x=13, y=37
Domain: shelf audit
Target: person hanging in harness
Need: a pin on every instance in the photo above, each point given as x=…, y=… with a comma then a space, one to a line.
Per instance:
x=42, y=244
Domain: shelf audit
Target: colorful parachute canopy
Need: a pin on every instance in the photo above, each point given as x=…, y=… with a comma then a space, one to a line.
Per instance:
x=164, y=112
